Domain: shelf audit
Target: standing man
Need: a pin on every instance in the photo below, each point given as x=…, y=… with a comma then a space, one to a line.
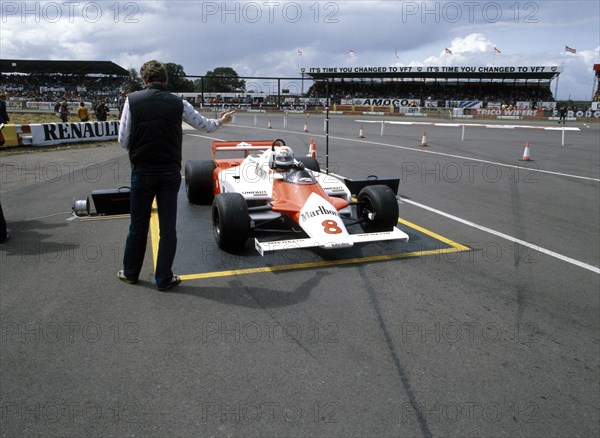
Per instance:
x=151, y=131
x=82, y=112
x=563, y=115
x=121, y=102
x=102, y=111
x=3, y=113
x=64, y=111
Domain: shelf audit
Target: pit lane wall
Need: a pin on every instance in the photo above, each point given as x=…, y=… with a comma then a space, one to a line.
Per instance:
x=49, y=134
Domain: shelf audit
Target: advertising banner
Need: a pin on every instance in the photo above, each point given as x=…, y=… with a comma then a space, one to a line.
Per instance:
x=380, y=101
x=464, y=104
x=59, y=133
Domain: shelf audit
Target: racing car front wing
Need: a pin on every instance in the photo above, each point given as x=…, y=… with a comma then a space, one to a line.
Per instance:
x=278, y=245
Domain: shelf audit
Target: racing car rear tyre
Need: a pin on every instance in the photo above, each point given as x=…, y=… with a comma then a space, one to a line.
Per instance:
x=231, y=221
x=199, y=181
x=381, y=200
x=310, y=163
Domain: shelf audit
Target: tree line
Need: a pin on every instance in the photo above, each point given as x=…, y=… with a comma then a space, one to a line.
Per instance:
x=221, y=79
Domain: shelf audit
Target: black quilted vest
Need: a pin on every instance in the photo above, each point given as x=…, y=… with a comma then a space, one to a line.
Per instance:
x=156, y=134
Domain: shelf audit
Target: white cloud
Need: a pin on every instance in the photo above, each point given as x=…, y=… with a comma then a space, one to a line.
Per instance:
x=261, y=38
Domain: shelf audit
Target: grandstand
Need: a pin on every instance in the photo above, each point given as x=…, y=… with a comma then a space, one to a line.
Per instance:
x=506, y=92
x=442, y=87
x=50, y=81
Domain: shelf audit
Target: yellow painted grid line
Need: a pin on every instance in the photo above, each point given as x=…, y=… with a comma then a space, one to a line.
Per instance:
x=454, y=247
x=154, y=232
x=321, y=264
x=436, y=236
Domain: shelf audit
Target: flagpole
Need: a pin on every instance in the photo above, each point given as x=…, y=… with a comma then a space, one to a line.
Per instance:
x=562, y=65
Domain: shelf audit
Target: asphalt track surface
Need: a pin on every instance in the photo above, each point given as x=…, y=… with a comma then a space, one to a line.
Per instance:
x=498, y=337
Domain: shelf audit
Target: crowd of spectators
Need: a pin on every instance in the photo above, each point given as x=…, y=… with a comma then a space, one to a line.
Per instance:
x=505, y=92
x=56, y=87
x=74, y=88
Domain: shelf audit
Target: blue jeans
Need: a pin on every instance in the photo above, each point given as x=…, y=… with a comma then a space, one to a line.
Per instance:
x=144, y=188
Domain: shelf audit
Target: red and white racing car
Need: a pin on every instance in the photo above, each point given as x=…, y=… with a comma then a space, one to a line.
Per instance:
x=268, y=190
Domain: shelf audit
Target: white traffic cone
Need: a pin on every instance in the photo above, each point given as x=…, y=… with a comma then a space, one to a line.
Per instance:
x=312, y=149
x=526, y=153
x=269, y=124
x=305, y=126
x=424, y=139
x=360, y=133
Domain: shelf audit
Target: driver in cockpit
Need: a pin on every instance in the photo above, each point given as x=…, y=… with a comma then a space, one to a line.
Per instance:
x=284, y=160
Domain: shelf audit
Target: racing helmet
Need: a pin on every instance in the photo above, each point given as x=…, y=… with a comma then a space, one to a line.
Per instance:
x=284, y=158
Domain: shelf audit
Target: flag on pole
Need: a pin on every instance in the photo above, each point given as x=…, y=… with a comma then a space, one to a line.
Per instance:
x=352, y=52
x=448, y=50
x=299, y=52
x=497, y=50
x=570, y=49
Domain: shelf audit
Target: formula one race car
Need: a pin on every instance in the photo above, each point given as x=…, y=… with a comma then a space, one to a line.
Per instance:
x=268, y=190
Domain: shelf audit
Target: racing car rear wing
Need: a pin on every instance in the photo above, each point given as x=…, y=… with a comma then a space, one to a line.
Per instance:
x=246, y=146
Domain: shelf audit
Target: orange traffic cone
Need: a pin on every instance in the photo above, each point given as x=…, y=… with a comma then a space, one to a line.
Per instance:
x=269, y=124
x=424, y=139
x=526, y=153
x=305, y=126
x=312, y=149
x=360, y=133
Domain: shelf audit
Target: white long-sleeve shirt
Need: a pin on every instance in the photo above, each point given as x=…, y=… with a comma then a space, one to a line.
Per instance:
x=189, y=116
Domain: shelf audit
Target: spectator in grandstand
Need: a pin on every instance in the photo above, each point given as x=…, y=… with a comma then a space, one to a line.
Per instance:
x=64, y=111
x=101, y=110
x=3, y=114
x=82, y=112
x=151, y=131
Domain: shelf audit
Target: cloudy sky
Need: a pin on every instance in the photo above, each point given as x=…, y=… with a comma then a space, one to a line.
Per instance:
x=264, y=38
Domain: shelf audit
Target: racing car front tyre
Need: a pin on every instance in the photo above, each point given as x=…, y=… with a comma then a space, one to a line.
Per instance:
x=377, y=208
x=199, y=181
x=231, y=221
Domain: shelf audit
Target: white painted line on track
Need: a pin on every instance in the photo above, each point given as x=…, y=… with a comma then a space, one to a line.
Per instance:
x=507, y=237
x=427, y=151
x=206, y=136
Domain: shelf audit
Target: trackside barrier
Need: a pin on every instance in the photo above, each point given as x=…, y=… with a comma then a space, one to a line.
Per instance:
x=58, y=133
x=562, y=129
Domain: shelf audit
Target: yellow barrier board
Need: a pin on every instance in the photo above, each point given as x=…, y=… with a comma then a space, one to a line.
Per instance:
x=9, y=137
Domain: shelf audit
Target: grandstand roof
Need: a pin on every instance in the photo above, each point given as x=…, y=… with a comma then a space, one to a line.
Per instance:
x=65, y=67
